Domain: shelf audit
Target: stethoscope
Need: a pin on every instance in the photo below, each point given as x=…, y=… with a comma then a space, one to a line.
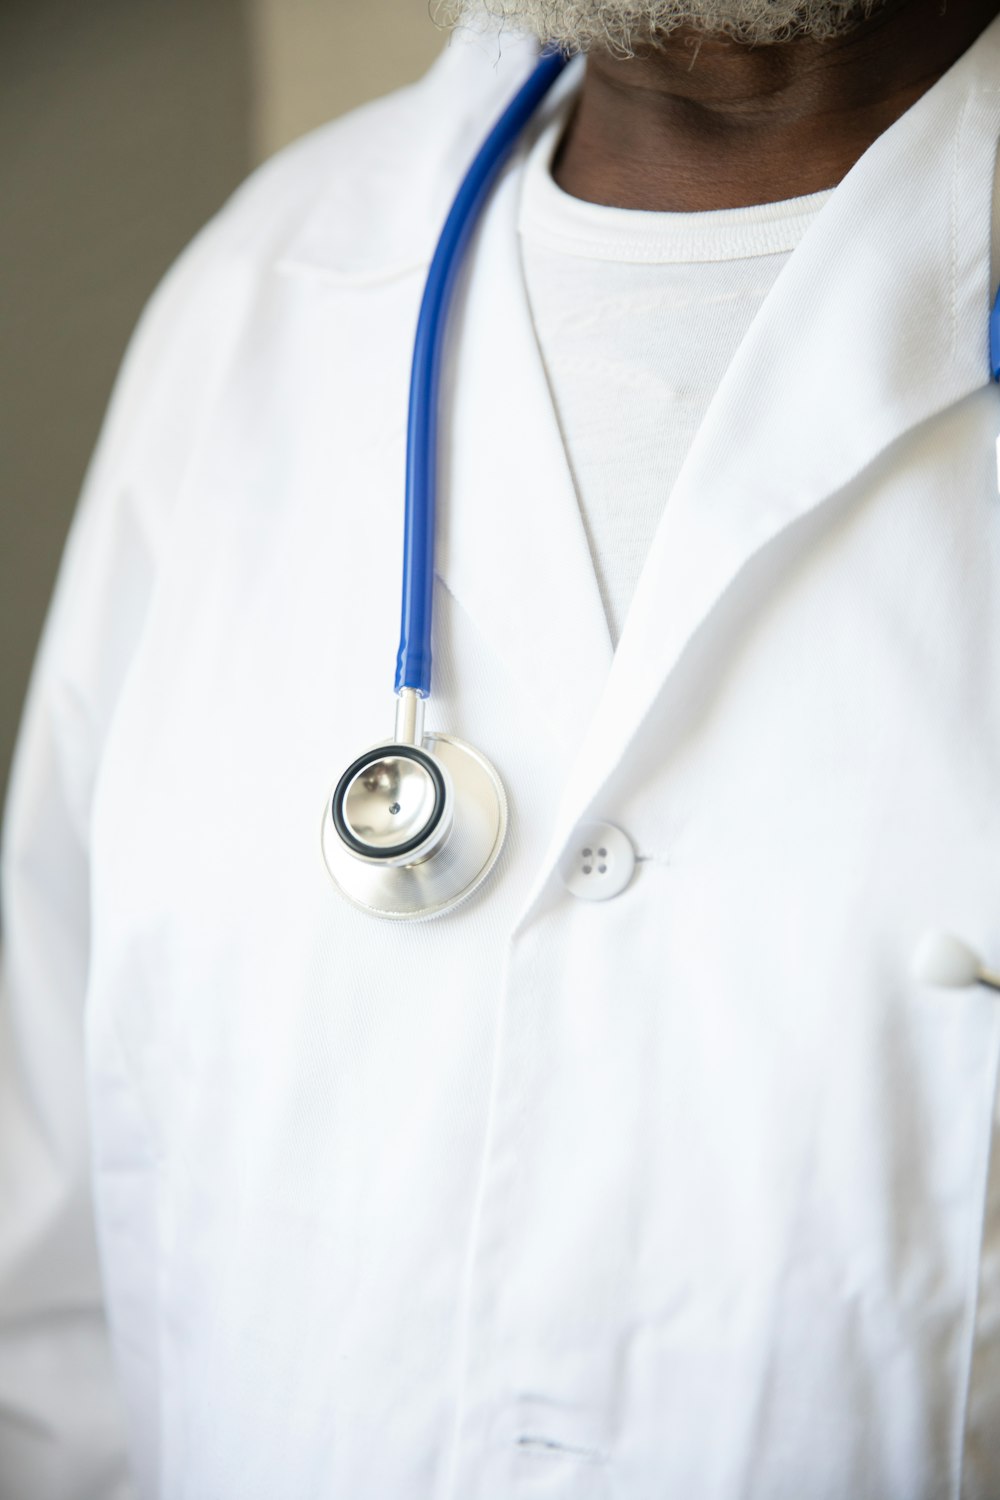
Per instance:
x=416, y=823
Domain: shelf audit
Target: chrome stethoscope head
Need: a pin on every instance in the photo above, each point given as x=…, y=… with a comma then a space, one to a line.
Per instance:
x=415, y=823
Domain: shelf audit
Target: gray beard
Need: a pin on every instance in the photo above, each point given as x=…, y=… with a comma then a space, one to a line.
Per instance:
x=623, y=25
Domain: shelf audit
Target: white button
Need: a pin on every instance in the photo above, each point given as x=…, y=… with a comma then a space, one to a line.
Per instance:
x=598, y=862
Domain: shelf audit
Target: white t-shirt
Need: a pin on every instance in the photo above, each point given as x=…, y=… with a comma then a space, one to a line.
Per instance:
x=638, y=316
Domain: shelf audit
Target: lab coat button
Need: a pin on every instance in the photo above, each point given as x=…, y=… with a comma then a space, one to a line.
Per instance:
x=598, y=862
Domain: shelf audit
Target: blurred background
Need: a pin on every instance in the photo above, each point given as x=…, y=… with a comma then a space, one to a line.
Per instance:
x=124, y=125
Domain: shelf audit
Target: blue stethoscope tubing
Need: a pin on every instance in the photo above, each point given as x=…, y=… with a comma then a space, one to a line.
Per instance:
x=413, y=661
x=995, y=339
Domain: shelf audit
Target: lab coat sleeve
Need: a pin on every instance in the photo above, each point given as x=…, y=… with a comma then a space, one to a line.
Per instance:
x=60, y=1427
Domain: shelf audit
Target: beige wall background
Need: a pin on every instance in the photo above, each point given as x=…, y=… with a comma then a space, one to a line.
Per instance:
x=124, y=124
x=312, y=59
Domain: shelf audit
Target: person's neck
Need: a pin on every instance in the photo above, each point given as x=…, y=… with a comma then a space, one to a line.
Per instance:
x=703, y=122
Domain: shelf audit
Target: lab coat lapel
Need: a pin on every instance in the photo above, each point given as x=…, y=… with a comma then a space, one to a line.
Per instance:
x=877, y=322
x=512, y=546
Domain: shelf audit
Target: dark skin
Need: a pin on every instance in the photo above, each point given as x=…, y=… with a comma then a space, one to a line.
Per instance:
x=704, y=122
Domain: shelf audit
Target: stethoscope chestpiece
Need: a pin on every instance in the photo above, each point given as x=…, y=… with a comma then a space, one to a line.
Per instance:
x=415, y=824
x=394, y=805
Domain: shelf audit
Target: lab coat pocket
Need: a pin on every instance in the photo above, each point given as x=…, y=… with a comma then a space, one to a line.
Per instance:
x=554, y=1453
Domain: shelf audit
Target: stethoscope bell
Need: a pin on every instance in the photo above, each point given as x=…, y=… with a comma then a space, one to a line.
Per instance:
x=416, y=823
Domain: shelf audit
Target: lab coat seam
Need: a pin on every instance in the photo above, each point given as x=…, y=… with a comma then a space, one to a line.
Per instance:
x=360, y=278
x=973, y=1278
x=637, y=252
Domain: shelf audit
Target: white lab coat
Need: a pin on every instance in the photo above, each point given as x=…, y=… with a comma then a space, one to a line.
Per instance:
x=681, y=1194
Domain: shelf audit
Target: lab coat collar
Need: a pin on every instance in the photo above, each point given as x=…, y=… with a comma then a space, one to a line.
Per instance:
x=398, y=162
